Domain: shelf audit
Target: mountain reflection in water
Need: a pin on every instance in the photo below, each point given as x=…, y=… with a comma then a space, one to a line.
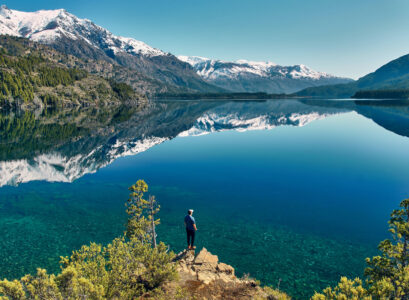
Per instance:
x=65, y=145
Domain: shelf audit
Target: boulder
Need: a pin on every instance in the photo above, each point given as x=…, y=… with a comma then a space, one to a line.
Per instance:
x=185, y=257
x=206, y=276
x=224, y=268
x=227, y=278
x=204, y=268
x=205, y=257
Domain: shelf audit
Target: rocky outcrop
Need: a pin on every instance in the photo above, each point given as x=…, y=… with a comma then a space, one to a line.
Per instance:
x=204, y=268
x=204, y=277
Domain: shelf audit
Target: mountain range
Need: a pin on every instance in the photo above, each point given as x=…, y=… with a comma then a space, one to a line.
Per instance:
x=389, y=78
x=150, y=71
x=156, y=71
x=86, y=40
x=251, y=76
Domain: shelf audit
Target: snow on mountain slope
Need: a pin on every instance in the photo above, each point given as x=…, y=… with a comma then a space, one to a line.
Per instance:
x=251, y=76
x=211, y=69
x=160, y=71
x=83, y=38
x=162, y=121
x=49, y=25
x=54, y=167
x=212, y=122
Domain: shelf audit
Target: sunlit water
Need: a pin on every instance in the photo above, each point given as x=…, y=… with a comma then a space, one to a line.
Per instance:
x=293, y=205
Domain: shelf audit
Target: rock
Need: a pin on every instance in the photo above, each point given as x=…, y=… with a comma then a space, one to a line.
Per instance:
x=227, y=278
x=185, y=257
x=224, y=268
x=206, y=276
x=206, y=267
x=190, y=256
x=205, y=257
x=185, y=272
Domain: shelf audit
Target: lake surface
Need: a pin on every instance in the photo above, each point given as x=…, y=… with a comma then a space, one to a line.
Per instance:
x=294, y=192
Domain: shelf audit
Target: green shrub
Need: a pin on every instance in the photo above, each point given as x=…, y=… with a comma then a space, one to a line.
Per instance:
x=126, y=268
x=387, y=274
x=122, y=90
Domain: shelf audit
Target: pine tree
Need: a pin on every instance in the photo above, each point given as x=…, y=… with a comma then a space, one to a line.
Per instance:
x=153, y=210
x=127, y=268
x=388, y=274
x=138, y=224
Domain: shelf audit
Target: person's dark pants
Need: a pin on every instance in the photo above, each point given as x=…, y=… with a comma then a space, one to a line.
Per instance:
x=190, y=237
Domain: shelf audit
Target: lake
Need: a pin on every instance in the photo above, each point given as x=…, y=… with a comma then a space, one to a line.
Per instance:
x=294, y=192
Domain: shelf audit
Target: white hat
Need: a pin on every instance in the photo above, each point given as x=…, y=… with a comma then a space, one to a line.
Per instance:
x=190, y=210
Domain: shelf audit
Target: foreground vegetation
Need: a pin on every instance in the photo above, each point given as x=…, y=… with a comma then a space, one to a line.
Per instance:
x=127, y=268
x=387, y=275
x=135, y=266
x=132, y=266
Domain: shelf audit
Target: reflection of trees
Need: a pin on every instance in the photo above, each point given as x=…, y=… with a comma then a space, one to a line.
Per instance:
x=24, y=134
x=83, y=140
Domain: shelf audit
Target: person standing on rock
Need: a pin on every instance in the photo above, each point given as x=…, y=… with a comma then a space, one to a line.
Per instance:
x=191, y=228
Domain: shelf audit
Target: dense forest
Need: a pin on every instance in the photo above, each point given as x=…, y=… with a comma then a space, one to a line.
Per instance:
x=25, y=133
x=30, y=73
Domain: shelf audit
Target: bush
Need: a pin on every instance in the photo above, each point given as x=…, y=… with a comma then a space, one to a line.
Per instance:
x=122, y=90
x=126, y=268
x=387, y=274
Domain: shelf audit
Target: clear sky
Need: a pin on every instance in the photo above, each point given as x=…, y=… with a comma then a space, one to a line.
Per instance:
x=343, y=37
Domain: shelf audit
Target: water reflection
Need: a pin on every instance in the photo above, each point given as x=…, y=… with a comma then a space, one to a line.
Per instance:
x=64, y=145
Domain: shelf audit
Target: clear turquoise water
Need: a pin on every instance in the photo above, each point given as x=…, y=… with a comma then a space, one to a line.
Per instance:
x=301, y=204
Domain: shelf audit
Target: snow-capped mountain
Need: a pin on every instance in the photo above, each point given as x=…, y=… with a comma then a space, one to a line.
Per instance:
x=46, y=26
x=250, y=76
x=83, y=38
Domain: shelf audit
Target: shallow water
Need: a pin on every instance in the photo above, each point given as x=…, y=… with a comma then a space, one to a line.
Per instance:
x=296, y=192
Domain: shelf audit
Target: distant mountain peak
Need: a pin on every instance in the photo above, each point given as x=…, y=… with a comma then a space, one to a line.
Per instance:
x=158, y=71
x=258, y=76
x=256, y=63
x=265, y=69
x=3, y=8
x=50, y=25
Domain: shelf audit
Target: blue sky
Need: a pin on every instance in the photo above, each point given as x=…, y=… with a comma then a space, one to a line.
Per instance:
x=343, y=37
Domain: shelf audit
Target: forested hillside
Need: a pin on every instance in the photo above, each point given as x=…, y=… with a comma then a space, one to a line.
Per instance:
x=392, y=77
x=32, y=74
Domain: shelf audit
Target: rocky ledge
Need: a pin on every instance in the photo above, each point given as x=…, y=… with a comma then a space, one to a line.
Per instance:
x=204, y=277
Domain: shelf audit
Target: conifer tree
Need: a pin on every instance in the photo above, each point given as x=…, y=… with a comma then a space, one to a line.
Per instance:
x=127, y=268
x=153, y=210
x=138, y=224
x=388, y=273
